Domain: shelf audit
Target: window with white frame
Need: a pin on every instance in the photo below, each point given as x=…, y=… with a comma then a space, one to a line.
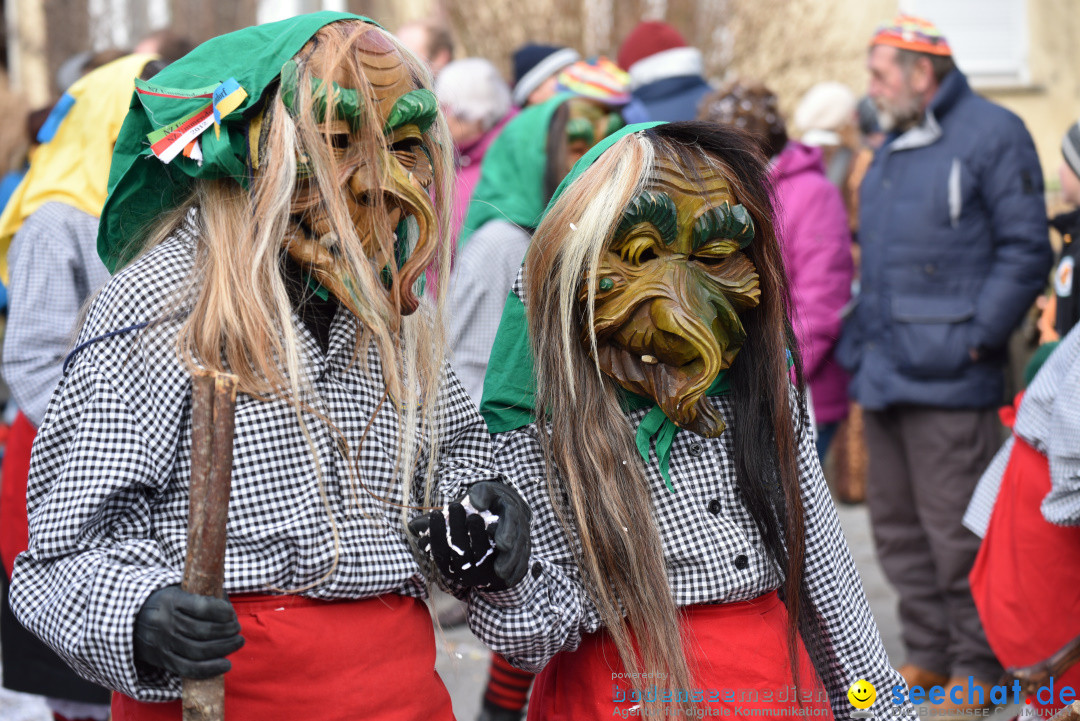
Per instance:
x=989, y=38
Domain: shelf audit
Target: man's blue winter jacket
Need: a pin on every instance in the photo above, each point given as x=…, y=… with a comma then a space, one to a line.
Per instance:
x=673, y=99
x=953, y=230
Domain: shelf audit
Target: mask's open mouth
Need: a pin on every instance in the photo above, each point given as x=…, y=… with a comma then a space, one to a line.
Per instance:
x=325, y=247
x=666, y=382
x=661, y=353
x=401, y=249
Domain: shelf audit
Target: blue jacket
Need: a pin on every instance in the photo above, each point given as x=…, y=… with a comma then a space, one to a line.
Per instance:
x=673, y=99
x=953, y=230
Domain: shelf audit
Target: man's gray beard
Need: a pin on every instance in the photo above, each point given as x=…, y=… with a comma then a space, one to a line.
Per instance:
x=890, y=122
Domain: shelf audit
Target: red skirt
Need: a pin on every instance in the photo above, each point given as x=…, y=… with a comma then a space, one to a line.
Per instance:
x=13, y=474
x=737, y=653
x=330, y=661
x=1026, y=578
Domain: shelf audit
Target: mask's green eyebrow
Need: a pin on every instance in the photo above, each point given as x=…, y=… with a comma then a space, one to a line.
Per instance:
x=655, y=208
x=347, y=103
x=724, y=222
x=418, y=107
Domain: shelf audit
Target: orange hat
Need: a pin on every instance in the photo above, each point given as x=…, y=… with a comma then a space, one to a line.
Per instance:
x=912, y=33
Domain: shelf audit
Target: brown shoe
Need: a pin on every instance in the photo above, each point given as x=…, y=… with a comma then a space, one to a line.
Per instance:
x=918, y=676
x=949, y=709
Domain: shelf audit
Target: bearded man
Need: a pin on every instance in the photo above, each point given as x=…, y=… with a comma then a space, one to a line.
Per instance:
x=270, y=215
x=954, y=251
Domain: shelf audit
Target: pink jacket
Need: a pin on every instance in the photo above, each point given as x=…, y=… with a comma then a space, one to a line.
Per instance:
x=813, y=229
x=468, y=173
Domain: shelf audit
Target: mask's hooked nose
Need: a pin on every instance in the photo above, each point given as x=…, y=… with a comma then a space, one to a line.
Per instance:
x=415, y=203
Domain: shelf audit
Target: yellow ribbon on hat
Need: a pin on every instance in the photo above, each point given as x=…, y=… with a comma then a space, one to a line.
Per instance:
x=73, y=167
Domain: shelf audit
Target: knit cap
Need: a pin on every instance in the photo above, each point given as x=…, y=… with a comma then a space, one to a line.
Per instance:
x=823, y=113
x=648, y=38
x=908, y=32
x=533, y=64
x=597, y=79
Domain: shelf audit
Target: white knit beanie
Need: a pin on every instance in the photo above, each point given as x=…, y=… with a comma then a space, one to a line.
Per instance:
x=825, y=110
x=472, y=89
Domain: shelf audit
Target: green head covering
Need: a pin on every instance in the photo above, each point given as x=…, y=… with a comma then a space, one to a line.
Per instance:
x=218, y=87
x=1037, y=359
x=511, y=185
x=509, y=399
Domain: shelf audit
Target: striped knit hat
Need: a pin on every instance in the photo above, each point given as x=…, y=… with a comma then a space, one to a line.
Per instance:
x=912, y=33
x=597, y=79
x=1070, y=147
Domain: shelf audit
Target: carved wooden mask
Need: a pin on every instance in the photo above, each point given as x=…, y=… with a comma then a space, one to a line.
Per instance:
x=588, y=122
x=670, y=288
x=405, y=111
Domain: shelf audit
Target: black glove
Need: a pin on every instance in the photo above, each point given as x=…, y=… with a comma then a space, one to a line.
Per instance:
x=187, y=634
x=493, y=557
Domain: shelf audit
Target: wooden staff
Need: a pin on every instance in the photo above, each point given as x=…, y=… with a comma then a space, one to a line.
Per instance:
x=1033, y=677
x=213, y=407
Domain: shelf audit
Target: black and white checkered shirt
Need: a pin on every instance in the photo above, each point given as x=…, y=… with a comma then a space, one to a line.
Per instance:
x=714, y=554
x=108, y=496
x=54, y=268
x=484, y=271
x=1049, y=421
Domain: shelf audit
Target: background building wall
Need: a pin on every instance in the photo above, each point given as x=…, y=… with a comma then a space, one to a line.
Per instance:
x=1051, y=102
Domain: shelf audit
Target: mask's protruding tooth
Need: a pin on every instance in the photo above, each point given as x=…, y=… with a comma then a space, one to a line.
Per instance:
x=650, y=359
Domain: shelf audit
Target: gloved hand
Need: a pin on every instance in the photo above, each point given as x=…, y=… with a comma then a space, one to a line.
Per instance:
x=187, y=634
x=493, y=557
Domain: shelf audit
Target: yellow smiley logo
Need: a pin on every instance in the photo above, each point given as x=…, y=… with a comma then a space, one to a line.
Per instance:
x=862, y=694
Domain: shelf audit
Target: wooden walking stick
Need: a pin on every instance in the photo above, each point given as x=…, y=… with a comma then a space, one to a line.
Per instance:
x=213, y=406
x=1033, y=677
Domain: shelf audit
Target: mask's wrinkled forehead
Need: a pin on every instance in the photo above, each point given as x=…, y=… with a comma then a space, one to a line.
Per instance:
x=700, y=177
x=688, y=199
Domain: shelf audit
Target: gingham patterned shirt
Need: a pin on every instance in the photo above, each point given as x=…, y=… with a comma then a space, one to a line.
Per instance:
x=713, y=552
x=483, y=274
x=1049, y=421
x=108, y=495
x=54, y=268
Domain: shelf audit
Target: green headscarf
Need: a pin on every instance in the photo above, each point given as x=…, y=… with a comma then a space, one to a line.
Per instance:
x=509, y=399
x=511, y=185
x=226, y=70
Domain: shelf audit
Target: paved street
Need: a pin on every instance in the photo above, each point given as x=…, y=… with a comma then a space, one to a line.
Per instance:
x=20, y=707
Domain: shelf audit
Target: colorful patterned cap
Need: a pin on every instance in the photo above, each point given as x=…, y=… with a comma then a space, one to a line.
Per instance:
x=597, y=79
x=912, y=33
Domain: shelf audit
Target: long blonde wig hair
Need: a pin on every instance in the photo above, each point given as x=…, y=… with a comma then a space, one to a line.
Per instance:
x=596, y=479
x=239, y=317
